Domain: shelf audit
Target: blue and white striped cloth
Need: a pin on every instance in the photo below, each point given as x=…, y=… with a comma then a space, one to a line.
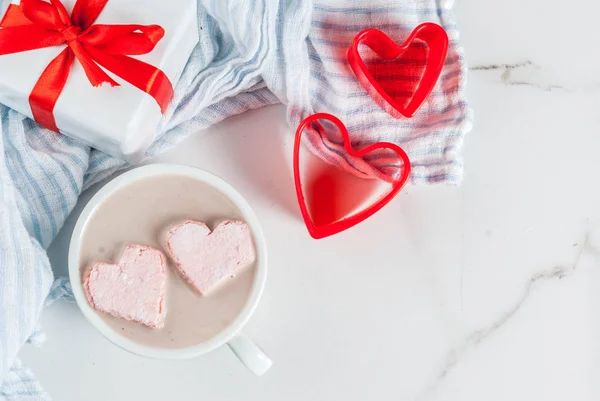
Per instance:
x=251, y=53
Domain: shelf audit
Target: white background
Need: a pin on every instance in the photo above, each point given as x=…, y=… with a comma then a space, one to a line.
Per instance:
x=489, y=291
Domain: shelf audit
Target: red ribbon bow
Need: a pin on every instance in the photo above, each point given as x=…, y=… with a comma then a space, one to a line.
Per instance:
x=36, y=24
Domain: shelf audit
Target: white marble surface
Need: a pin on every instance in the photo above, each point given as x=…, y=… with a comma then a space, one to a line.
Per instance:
x=489, y=291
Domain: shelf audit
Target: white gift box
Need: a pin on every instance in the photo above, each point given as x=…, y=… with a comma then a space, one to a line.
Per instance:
x=122, y=120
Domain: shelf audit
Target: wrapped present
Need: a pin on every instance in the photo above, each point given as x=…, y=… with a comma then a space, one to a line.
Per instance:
x=100, y=71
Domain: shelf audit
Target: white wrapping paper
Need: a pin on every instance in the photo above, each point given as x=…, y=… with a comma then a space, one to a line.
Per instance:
x=120, y=121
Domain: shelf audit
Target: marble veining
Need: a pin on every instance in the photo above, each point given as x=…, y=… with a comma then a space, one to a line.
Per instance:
x=475, y=338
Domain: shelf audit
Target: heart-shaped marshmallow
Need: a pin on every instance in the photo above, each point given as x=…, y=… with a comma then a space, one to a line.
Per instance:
x=207, y=258
x=133, y=289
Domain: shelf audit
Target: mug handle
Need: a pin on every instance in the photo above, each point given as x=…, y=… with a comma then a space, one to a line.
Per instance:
x=250, y=354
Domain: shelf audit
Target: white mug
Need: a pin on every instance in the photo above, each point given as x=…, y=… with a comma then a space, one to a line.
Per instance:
x=248, y=352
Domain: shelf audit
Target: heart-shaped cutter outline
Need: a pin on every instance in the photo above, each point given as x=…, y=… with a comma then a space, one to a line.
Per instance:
x=436, y=39
x=326, y=230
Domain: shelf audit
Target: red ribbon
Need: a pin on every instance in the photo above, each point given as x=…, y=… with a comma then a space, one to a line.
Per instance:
x=36, y=24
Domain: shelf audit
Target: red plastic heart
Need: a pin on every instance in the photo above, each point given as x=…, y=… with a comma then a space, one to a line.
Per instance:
x=324, y=229
x=406, y=74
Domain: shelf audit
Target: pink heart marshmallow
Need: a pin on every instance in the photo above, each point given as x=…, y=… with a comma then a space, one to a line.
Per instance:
x=206, y=259
x=133, y=289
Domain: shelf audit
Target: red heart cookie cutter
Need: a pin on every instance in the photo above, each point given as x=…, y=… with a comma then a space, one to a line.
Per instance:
x=407, y=73
x=330, y=228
